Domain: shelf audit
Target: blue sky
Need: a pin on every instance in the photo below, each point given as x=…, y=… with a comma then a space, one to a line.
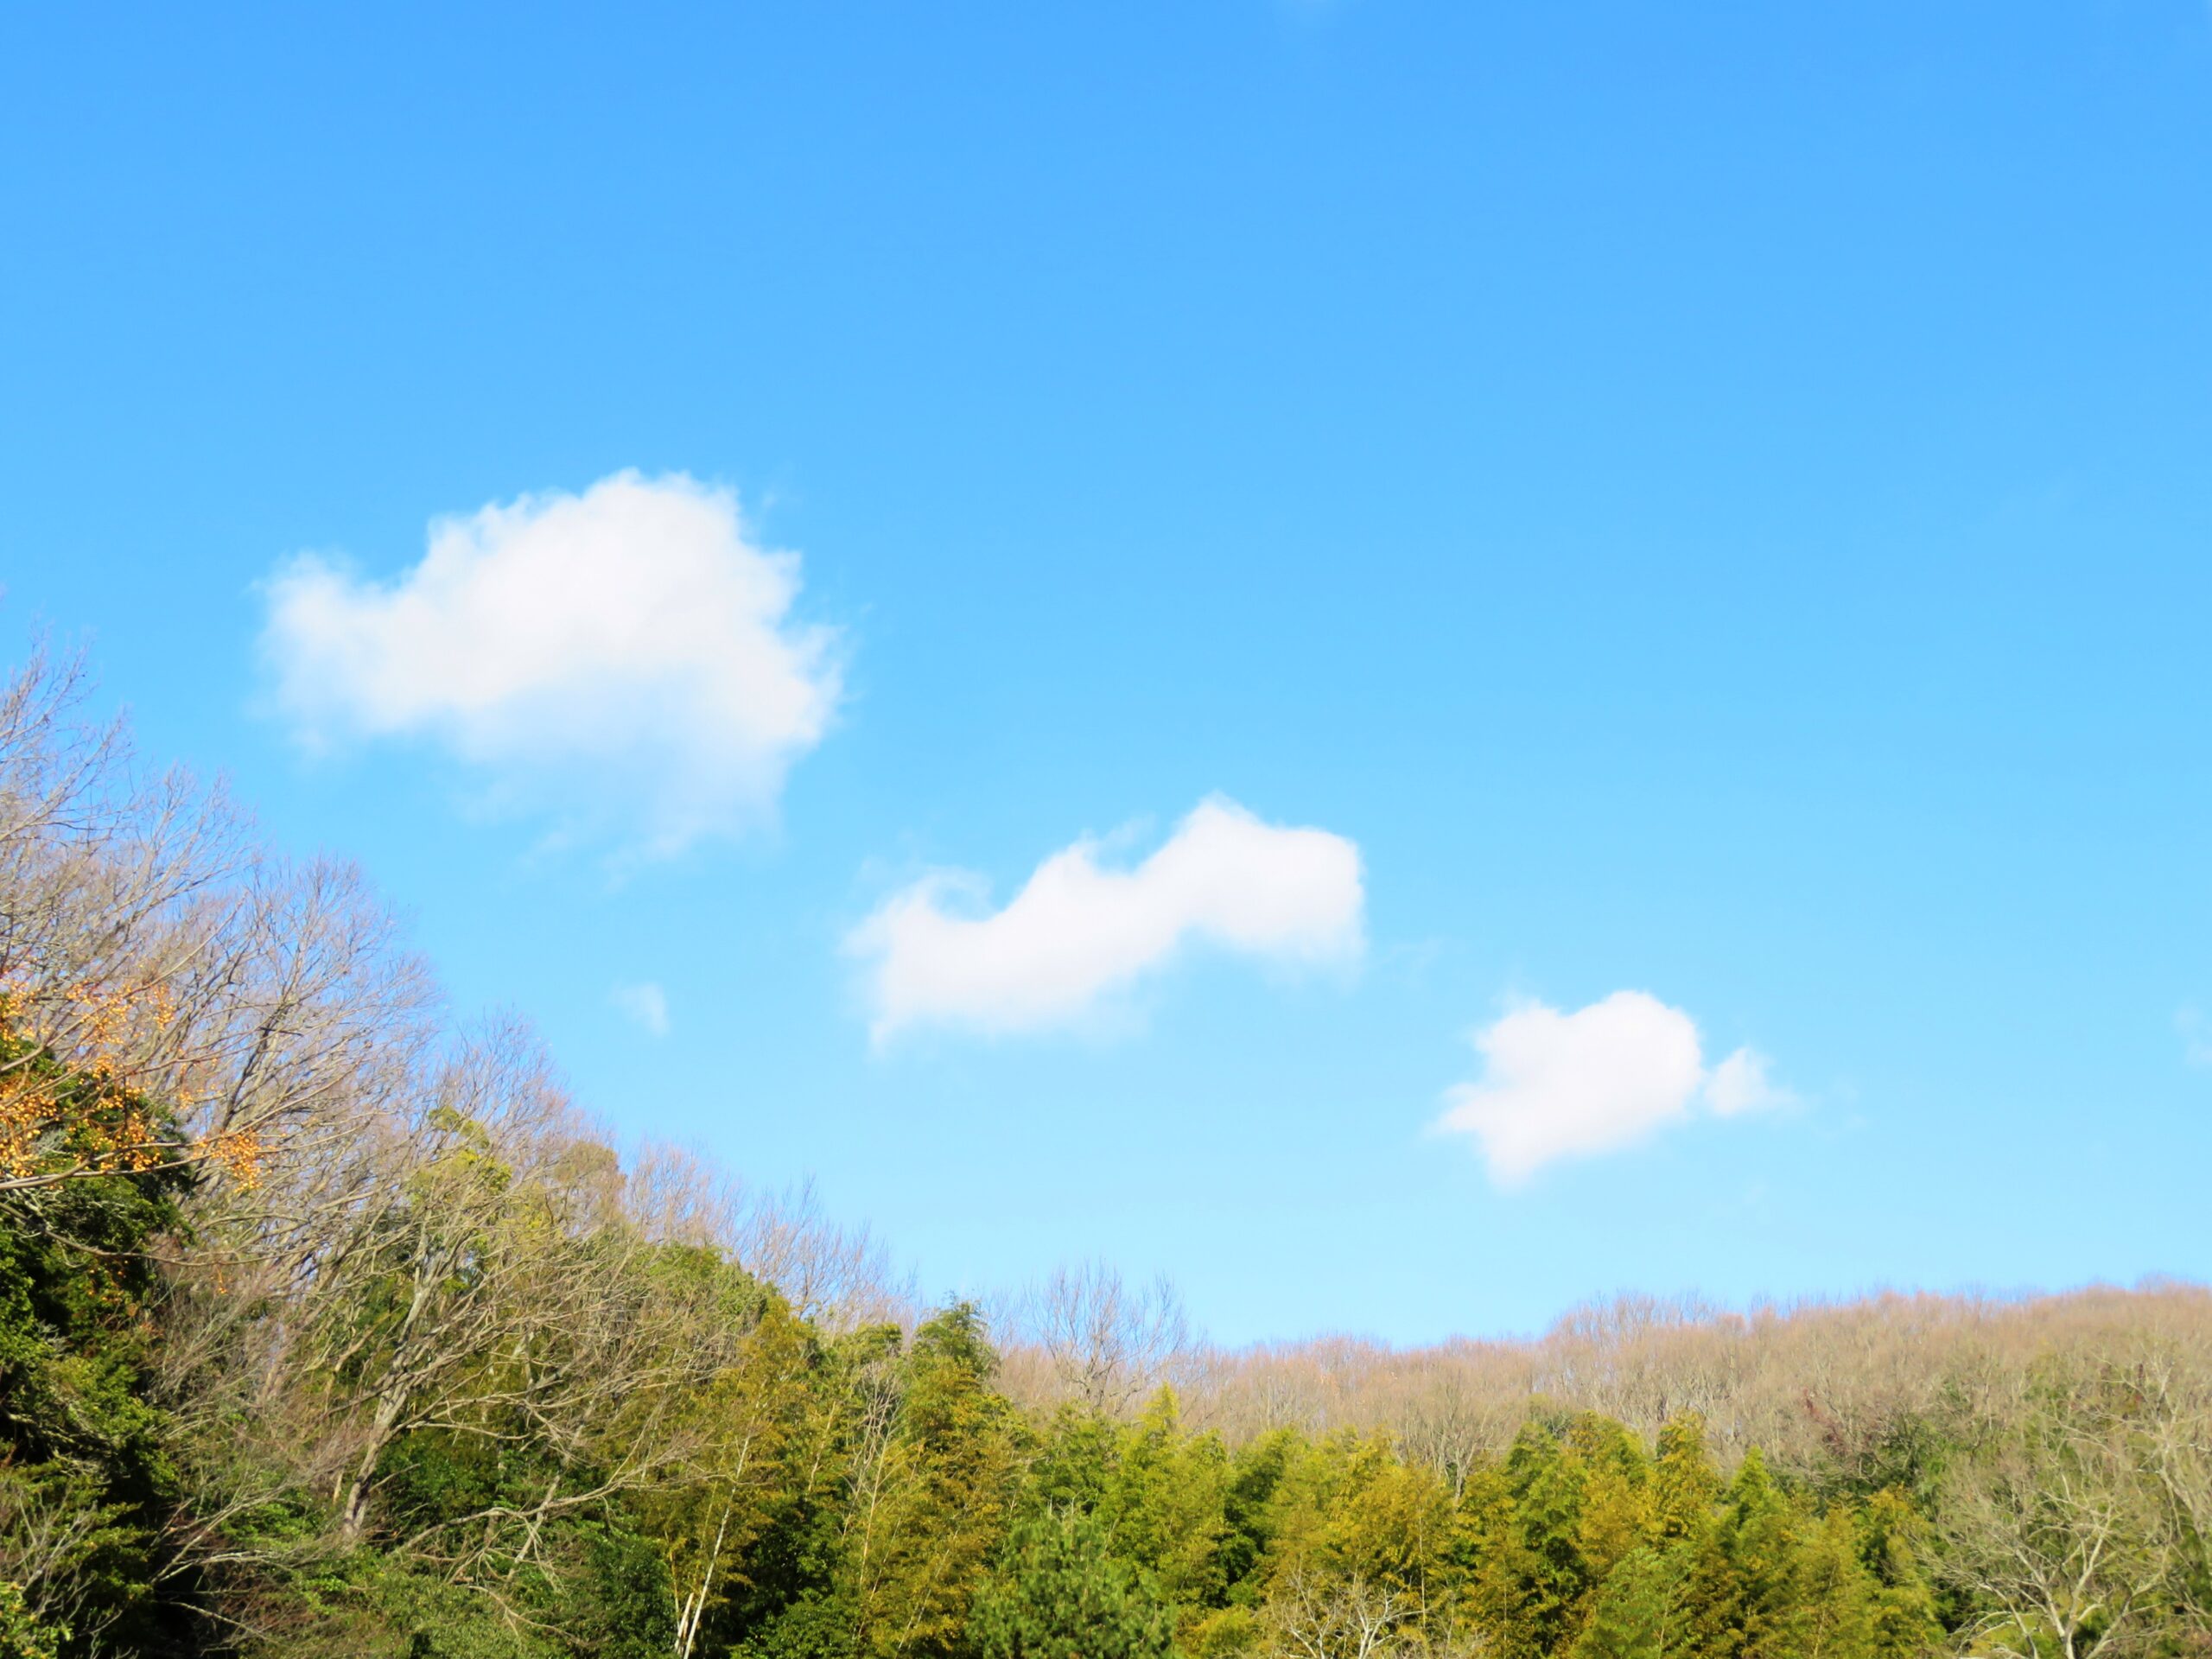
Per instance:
x=1706, y=507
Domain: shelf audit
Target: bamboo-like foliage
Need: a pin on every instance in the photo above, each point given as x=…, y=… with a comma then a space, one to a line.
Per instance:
x=330, y=1325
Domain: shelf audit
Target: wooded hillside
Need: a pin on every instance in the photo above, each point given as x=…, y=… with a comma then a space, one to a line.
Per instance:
x=328, y=1325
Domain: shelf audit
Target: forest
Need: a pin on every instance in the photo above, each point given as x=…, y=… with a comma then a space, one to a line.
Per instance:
x=330, y=1325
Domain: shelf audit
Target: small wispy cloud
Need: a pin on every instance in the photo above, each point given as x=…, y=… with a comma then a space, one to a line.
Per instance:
x=1558, y=1086
x=644, y=1004
x=2195, y=1035
x=1740, y=1084
x=625, y=660
x=1077, y=932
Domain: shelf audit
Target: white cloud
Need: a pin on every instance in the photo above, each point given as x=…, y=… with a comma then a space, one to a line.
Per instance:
x=624, y=659
x=1739, y=1084
x=2195, y=1036
x=1568, y=1085
x=645, y=1004
x=1076, y=933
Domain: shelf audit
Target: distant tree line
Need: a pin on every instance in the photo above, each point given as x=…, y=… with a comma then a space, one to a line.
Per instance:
x=329, y=1327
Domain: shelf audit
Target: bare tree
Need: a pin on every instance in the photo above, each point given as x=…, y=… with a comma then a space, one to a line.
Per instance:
x=840, y=1277
x=2176, y=1384
x=481, y=1278
x=170, y=995
x=2052, y=1526
x=51, y=1531
x=1108, y=1343
x=1446, y=1414
x=1310, y=1616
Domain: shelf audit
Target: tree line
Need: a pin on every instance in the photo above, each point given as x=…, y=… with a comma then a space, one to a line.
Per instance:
x=328, y=1325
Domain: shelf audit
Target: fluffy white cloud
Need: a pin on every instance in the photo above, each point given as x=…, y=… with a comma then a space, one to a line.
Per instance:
x=1565, y=1085
x=625, y=658
x=646, y=1005
x=1076, y=932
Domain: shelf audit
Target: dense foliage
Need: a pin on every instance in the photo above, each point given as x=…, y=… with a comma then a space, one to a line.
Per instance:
x=327, y=1330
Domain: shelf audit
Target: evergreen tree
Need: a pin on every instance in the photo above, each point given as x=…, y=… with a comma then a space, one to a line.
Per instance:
x=1751, y=1594
x=1074, y=1462
x=940, y=1506
x=1248, y=1510
x=1615, y=1475
x=1057, y=1592
x=1165, y=1504
x=1831, y=1611
x=1904, y=1612
x=87, y=1458
x=1547, y=1551
x=1684, y=1486
x=1641, y=1610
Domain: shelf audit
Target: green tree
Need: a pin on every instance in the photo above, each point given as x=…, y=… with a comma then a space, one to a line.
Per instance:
x=1832, y=1606
x=1521, y=1529
x=1057, y=1592
x=1642, y=1610
x=87, y=1458
x=1684, y=1486
x=1615, y=1504
x=1165, y=1504
x=1746, y=1581
x=1905, y=1621
x=933, y=1495
x=22, y=1637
